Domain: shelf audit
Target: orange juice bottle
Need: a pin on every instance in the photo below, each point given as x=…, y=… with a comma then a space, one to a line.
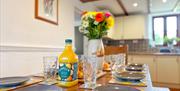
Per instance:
x=68, y=66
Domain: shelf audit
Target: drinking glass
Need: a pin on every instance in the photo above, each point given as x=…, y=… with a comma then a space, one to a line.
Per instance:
x=115, y=61
x=107, y=59
x=118, y=62
x=50, y=69
x=80, y=66
x=90, y=70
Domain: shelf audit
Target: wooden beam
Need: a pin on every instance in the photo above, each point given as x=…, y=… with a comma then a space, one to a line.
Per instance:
x=118, y=15
x=122, y=6
x=85, y=1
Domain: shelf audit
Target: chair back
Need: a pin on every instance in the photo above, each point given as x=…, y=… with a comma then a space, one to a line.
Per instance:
x=110, y=50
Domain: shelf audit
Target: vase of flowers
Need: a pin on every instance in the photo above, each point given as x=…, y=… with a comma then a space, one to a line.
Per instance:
x=95, y=25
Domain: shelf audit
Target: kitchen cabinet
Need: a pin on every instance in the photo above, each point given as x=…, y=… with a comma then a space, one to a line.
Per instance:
x=130, y=27
x=164, y=69
x=146, y=59
x=134, y=27
x=168, y=69
x=130, y=59
x=117, y=33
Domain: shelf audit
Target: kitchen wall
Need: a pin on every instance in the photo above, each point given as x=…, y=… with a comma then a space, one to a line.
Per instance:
x=24, y=40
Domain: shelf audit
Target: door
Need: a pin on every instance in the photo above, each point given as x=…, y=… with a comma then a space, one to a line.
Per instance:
x=78, y=41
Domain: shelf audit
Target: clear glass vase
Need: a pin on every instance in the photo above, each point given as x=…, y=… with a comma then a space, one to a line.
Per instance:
x=96, y=48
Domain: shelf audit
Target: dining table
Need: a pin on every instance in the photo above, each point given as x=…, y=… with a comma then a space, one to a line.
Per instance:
x=103, y=80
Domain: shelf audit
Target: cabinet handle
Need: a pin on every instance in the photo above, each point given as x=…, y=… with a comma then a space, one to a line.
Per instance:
x=177, y=60
x=153, y=59
x=142, y=36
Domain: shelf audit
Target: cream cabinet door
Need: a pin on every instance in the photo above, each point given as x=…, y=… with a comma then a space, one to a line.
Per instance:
x=117, y=33
x=150, y=61
x=134, y=27
x=168, y=69
x=130, y=59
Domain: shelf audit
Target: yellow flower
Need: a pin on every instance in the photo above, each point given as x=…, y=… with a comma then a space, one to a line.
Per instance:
x=110, y=22
x=87, y=15
x=92, y=13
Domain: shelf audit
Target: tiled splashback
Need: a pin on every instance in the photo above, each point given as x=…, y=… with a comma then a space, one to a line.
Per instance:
x=139, y=45
x=134, y=45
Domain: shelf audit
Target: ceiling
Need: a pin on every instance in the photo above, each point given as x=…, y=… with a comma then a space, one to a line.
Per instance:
x=159, y=6
x=110, y=5
x=125, y=7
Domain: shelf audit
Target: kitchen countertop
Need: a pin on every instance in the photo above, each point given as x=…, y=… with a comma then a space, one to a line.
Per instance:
x=150, y=53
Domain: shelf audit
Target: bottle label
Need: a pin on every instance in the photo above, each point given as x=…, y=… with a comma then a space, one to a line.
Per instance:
x=68, y=71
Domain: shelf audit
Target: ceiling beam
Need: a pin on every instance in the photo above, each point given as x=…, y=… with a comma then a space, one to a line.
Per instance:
x=85, y=1
x=122, y=6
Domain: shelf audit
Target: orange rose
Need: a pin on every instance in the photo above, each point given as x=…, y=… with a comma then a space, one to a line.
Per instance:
x=83, y=13
x=99, y=17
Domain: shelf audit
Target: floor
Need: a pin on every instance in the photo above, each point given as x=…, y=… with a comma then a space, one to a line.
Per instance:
x=173, y=89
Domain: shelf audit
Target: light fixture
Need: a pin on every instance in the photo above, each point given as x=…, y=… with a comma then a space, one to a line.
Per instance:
x=135, y=4
x=164, y=1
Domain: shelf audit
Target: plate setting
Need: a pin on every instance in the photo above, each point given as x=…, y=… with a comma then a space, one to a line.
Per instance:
x=115, y=88
x=135, y=67
x=12, y=81
x=134, y=76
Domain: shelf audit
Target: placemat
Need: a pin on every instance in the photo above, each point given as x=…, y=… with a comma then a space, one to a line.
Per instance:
x=98, y=76
x=32, y=81
x=142, y=83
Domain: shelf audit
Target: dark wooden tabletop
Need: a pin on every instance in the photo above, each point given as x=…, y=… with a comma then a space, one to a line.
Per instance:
x=103, y=80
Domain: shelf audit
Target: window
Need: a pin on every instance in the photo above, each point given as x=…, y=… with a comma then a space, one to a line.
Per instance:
x=165, y=26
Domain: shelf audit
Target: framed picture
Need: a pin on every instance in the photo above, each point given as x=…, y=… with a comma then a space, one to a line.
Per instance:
x=47, y=10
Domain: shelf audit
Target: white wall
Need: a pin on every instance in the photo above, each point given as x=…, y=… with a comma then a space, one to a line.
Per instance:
x=21, y=28
x=21, y=33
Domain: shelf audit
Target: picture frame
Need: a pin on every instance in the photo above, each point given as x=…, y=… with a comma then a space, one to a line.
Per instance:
x=47, y=10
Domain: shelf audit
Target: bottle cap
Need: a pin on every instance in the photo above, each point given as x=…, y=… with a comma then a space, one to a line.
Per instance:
x=68, y=40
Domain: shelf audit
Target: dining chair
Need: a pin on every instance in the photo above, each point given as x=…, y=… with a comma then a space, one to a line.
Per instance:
x=110, y=50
